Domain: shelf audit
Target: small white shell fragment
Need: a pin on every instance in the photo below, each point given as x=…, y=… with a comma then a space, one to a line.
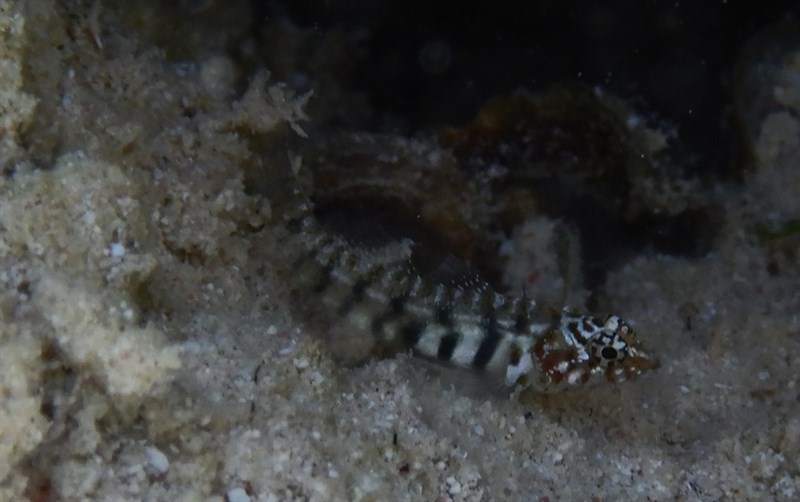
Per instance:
x=116, y=249
x=453, y=486
x=237, y=495
x=157, y=462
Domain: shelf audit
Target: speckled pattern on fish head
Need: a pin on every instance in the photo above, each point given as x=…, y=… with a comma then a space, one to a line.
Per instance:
x=582, y=349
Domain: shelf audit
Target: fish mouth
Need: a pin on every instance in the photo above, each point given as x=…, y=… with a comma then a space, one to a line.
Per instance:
x=644, y=362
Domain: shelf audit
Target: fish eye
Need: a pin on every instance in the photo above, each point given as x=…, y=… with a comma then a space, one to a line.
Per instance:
x=609, y=353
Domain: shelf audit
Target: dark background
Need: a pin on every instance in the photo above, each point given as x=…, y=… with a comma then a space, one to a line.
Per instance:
x=422, y=65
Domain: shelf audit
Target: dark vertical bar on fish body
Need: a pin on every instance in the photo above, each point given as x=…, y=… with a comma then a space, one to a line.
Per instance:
x=489, y=344
x=447, y=345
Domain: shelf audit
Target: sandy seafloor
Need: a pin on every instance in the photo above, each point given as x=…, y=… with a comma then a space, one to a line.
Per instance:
x=147, y=351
